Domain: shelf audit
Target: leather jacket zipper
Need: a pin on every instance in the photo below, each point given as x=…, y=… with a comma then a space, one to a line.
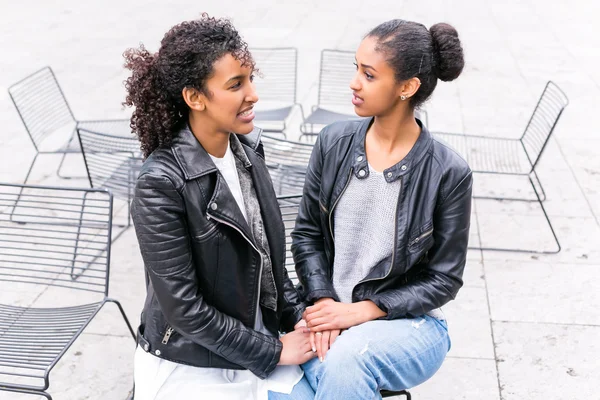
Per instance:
x=335, y=204
x=261, y=262
x=421, y=237
x=168, y=334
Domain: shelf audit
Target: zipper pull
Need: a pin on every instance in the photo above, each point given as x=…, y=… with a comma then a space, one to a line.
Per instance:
x=167, y=336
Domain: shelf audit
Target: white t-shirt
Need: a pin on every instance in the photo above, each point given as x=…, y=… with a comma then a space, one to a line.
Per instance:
x=159, y=379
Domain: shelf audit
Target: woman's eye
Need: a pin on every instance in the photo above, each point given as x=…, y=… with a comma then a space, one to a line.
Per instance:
x=237, y=85
x=251, y=78
x=369, y=76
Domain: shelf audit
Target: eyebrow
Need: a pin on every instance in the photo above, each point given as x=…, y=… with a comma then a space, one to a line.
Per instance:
x=235, y=78
x=368, y=66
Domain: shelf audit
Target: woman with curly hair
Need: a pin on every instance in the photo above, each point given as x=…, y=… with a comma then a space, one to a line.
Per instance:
x=209, y=228
x=380, y=241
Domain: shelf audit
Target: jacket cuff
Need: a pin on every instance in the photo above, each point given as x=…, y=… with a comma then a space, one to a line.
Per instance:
x=315, y=295
x=272, y=364
x=287, y=324
x=394, y=311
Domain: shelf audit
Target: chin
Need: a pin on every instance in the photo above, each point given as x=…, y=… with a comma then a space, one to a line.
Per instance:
x=245, y=129
x=362, y=113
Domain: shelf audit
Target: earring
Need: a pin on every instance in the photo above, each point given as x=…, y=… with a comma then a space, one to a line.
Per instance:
x=403, y=97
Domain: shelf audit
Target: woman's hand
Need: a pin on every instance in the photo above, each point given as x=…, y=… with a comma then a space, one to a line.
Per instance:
x=296, y=348
x=300, y=324
x=321, y=342
x=328, y=314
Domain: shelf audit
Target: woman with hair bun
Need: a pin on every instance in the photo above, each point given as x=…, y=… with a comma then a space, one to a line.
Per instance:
x=209, y=228
x=380, y=241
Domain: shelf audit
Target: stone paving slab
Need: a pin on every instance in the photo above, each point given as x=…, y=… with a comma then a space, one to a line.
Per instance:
x=524, y=326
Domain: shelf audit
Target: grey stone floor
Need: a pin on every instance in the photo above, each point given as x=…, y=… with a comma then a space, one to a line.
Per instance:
x=523, y=326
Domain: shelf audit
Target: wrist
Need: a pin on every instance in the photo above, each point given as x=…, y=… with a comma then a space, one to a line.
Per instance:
x=369, y=311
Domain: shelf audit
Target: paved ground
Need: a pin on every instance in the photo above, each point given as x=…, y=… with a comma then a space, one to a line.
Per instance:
x=523, y=326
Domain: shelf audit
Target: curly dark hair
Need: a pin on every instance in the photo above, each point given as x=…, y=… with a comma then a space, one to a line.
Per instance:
x=413, y=51
x=185, y=59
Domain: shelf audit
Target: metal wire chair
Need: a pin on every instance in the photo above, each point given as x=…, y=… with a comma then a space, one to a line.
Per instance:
x=112, y=158
x=46, y=116
x=57, y=239
x=289, y=211
x=515, y=157
x=287, y=162
x=276, y=87
x=337, y=71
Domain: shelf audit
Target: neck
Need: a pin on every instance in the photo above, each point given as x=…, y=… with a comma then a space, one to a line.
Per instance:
x=215, y=142
x=398, y=128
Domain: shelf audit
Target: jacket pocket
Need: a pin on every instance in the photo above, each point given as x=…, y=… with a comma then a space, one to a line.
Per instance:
x=209, y=233
x=322, y=207
x=422, y=239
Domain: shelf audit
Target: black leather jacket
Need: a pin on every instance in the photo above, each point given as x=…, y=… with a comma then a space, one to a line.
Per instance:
x=426, y=266
x=202, y=264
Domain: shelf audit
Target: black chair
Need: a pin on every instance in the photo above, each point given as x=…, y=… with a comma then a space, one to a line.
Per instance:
x=287, y=162
x=55, y=240
x=276, y=87
x=112, y=158
x=289, y=211
x=515, y=157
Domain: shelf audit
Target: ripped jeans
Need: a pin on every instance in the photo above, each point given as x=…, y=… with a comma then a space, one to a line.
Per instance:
x=391, y=355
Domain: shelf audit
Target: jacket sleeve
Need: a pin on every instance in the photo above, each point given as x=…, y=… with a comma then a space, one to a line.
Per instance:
x=308, y=246
x=158, y=213
x=293, y=307
x=440, y=281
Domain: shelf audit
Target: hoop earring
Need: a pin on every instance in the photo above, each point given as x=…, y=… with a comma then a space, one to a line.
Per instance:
x=403, y=97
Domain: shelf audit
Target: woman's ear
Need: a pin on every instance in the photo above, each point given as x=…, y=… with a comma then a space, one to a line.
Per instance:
x=409, y=87
x=194, y=99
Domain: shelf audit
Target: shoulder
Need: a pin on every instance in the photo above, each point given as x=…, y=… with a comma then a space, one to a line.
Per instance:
x=339, y=132
x=454, y=168
x=162, y=168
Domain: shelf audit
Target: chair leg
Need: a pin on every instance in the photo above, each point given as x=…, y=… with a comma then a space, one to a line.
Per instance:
x=62, y=160
x=21, y=190
x=124, y=316
x=541, y=202
x=26, y=391
x=537, y=179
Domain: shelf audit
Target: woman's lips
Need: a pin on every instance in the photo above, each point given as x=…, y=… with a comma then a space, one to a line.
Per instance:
x=357, y=101
x=246, y=116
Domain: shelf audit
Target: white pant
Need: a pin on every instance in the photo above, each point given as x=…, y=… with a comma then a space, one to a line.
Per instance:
x=158, y=379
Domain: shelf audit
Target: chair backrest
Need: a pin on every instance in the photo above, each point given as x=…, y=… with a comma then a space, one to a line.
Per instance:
x=55, y=237
x=287, y=162
x=113, y=160
x=337, y=71
x=41, y=104
x=278, y=72
x=548, y=110
x=289, y=210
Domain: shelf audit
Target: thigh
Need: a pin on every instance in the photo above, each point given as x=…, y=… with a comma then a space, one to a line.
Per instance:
x=399, y=354
x=302, y=391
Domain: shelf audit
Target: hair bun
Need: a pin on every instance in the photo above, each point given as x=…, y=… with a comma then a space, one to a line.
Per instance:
x=447, y=52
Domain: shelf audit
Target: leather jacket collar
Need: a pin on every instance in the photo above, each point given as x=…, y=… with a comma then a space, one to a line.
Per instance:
x=194, y=160
x=396, y=171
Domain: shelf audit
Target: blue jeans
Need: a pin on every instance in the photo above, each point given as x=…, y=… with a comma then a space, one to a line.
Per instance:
x=302, y=391
x=391, y=355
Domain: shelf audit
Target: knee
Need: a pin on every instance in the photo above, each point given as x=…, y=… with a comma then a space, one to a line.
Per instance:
x=344, y=362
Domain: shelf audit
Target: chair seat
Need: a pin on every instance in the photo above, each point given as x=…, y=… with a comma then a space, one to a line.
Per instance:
x=273, y=115
x=489, y=154
x=321, y=116
x=120, y=175
x=32, y=340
